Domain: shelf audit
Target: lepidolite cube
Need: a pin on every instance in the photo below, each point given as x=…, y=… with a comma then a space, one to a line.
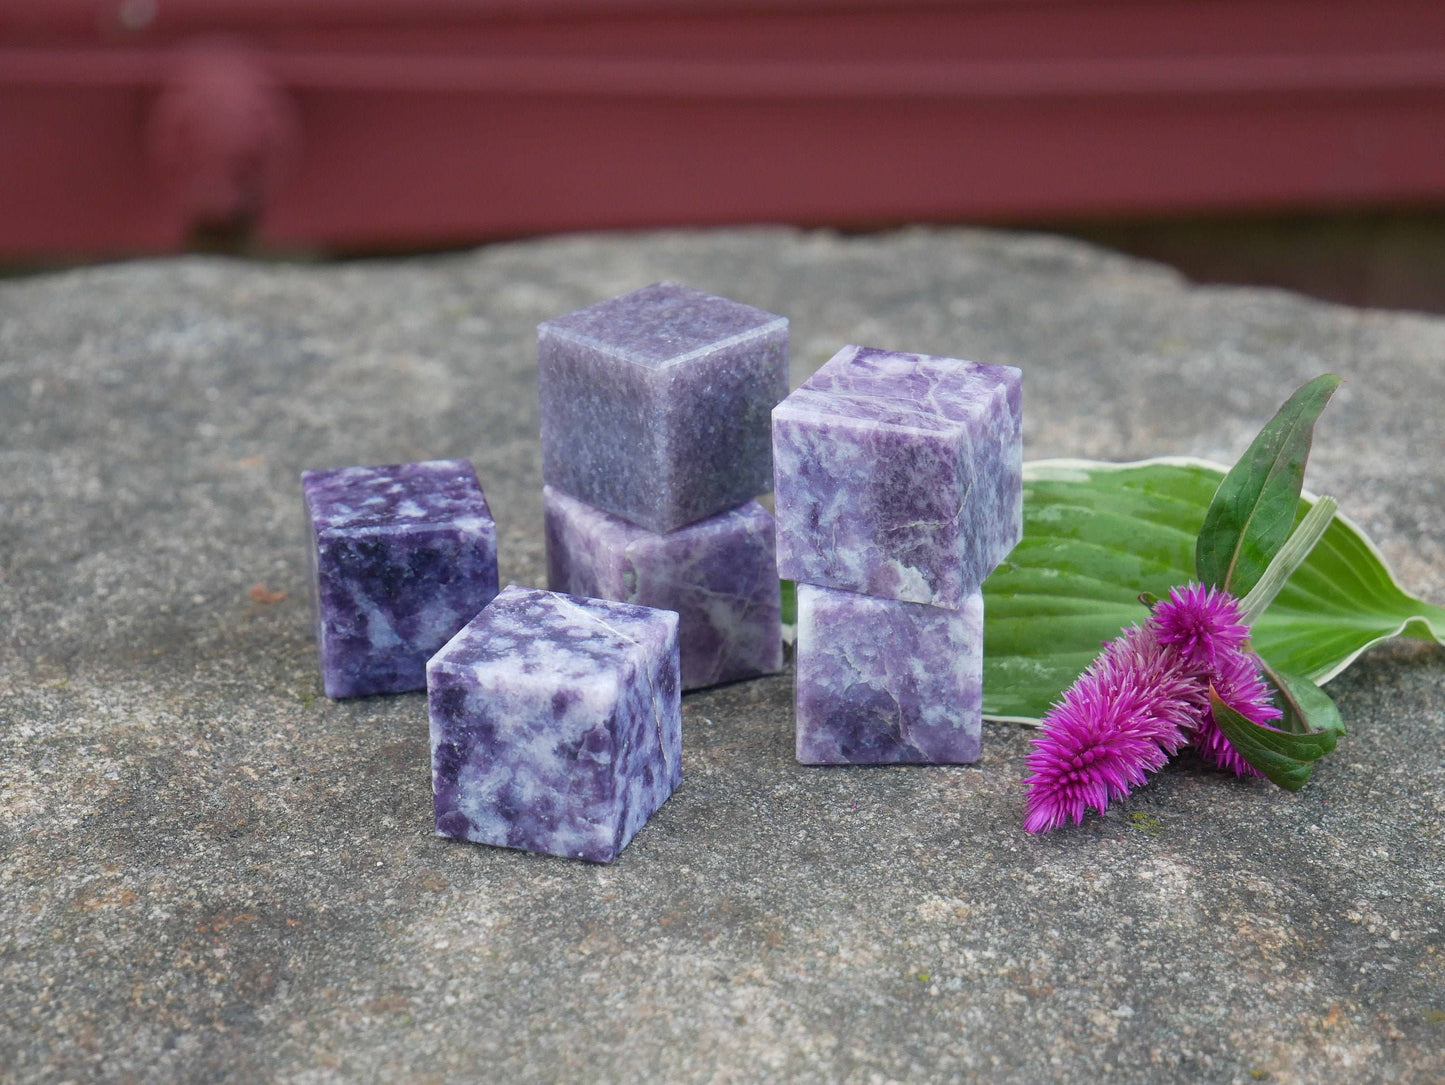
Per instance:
x=655, y=404
x=883, y=682
x=402, y=557
x=899, y=475
x=556, y=724
x=720, y=575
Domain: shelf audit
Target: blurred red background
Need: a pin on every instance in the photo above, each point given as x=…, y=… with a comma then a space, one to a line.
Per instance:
x=139, y=126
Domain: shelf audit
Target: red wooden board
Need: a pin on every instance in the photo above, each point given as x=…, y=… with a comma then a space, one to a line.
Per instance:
x=126, y=125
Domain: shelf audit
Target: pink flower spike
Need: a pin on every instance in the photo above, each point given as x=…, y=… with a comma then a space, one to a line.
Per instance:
x=1119, y=721
x=1240, y=686
x=1203, y=625
x=1152, y=687
x=1140, y=701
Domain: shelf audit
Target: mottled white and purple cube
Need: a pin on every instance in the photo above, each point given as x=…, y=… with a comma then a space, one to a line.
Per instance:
x=899, y=475
x=655, y=404
x=882, y=682
x=556, y=724
x=720, y=575
x=402, y=556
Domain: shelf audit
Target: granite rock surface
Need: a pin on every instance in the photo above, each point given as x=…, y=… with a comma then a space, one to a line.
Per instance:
x=719, y=574
x=655, y=404
x=556, y=724
x=881, y=682
x=899, y=475
x=402, y=556
x=210, y=872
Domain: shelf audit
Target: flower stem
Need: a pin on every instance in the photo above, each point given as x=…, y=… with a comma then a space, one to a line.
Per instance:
x=1289, y=558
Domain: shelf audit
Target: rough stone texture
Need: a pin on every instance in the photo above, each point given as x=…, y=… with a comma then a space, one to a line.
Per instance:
x=899, y=475
x=209, y=872
x=556, y=724
x=881, y=682
x=403, y=556
x=655, y=405
x=720, y=575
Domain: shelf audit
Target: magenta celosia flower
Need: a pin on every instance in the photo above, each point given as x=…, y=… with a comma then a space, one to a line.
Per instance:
x=1203, y=625
x=1166, y=696
x=1206, y=628
x=1091, y=755
x=1240, y=686
x=1142, y=699
x=1122, y=719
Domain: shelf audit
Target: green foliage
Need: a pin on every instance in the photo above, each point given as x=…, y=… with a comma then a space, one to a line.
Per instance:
x=1097, y=535
x=1307, y=708
x=1286, y=757
x=790, y=603
x=1253, y=510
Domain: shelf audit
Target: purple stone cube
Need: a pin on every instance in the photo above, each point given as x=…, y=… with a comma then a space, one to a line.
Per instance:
x=899, y=475
x=655, y=404
x=556, y=724
x=402, y=557
x=720, y=575
x=882, y=682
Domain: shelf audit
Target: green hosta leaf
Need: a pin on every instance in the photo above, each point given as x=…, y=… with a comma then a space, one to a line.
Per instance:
x=790, y=603
x=1096, y=535
x=1287, y=758
x=1253, y=510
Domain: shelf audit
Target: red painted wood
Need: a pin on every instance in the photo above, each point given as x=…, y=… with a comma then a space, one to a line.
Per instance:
x=442, y=121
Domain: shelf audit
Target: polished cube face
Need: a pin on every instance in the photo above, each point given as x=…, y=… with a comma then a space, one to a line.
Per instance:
x=655, y=405
x=899, y=475
x=720, y=575
x=402, y=556
x=556, y=724
x=882, y=682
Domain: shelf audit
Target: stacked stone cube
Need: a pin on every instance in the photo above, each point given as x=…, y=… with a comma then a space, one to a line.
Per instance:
x=898, y=490
x=655, y=443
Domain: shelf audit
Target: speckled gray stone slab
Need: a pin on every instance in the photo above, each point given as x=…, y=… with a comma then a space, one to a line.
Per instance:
x=401, y=557
x=655, y=404
x=556, y=724
x=211, y=873
x=720, y=575
x=899, y=475
x=881, y=682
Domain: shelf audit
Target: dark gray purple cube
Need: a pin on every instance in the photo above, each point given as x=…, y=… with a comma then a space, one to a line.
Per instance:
x=720, y=575
x=556, y=724
x=899, y=475
x=655, y=404
x=402, y=556
x=882, y=682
